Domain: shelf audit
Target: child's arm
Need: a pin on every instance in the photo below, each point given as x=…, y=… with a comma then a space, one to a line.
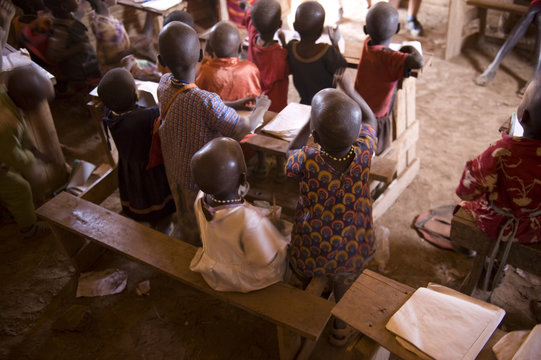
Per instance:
x=7, y=11
x=248, y=124
x=413, y=61
x=368, y=115
x=300, y=140
x=480, y=175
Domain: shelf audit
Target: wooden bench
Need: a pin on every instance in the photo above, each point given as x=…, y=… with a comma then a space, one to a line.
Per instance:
x=462, y=12
x=369, y=304
x=300, y=316
x=464, y=232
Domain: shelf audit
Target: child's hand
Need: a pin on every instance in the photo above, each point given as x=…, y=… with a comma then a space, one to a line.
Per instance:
x=339, y=80
x=262, y=101
x=334, y=35
x=408, y=49
x=246, y=103
x=282, y=38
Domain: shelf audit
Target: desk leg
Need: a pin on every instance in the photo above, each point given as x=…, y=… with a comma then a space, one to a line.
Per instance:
x=472, y=279
x=288, y=343
x=455, y=25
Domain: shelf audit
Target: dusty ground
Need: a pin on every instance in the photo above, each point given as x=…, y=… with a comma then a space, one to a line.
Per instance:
x=458, y=120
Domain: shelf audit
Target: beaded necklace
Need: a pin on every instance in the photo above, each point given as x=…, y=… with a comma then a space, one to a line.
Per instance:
x=348, y=155
x=233, y=201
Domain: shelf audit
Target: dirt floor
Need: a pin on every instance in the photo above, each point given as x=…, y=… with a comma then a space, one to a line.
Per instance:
x=458, y=121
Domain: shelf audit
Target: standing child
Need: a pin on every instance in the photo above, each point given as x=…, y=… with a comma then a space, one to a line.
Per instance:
x=69, y=45
x=26, y=89
x=195, y=117
x=502, y=187
x=380, y=68
x=332, y=233
x=262, y=22
x=144, y=194
x=242, y=250
x=312, y=64
x=225, y=74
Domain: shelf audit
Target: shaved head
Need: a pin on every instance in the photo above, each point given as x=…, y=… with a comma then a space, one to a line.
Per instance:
x=309, y=19
x=335, y=118
x=224, y=39
x=266, y=16
x=382, y=21
x=117, y=90
x=179, y=47
x=28, y=88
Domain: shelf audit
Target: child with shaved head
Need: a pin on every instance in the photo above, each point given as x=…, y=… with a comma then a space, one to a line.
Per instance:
x=225, y=74
x=332, y=233
x=25, y=89
x=194, y=117
x=144, y=194
x=242, y=250
x=380, y=68
x=312, y=64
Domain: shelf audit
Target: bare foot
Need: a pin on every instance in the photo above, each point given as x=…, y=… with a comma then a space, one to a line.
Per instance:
x=485, y=78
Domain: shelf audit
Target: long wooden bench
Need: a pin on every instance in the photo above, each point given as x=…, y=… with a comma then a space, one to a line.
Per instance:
x=300, y=316
x=462, y=12
x=464, y=232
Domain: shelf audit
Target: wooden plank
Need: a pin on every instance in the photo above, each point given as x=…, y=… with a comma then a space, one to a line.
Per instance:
x=455, y=24
x=281, y=304
x=399, y=114
x=498, y=5
x=385, y=200
x=383, y=169
x=102, y=187
x=411, y=154
x=369, y=304
x=409, y=88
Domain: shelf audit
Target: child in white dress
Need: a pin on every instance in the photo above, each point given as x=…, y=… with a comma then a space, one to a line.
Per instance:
x=242, y=250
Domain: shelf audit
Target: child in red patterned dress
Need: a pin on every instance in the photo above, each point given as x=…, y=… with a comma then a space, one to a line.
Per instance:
x=333, y=234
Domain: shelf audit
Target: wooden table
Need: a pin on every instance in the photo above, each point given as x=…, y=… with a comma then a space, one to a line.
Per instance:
x=369, y=304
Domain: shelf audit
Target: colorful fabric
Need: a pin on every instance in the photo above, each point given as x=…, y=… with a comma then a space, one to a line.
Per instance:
x=273, y=67
x=230, y=78
x=144, y=194
x=235, y=12
x=506, y=176
x=242, y=251
x=194, y=118
x=68, y=34
x=332, y=233
x=112, y=40
x=316, y=73
x=378, y=71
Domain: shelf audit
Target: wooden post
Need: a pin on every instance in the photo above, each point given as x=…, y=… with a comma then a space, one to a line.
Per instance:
x=455, y=24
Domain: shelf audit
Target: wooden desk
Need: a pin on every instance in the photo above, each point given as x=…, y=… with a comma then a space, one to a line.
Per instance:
x=139, y=6
x=369, y=304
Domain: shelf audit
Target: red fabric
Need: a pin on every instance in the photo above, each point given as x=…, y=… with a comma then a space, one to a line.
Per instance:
x=535, y=3
x=507, y=174
x=379, y=70
x=235, y=12
x=230, y=78
x=273, y=67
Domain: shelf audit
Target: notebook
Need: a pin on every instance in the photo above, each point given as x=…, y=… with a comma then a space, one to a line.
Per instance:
x=287, y=124
x=440, y=323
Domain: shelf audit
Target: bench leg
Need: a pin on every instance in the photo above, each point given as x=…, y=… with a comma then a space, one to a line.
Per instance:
x=471, y=281
x=368, y=349
x=289, y=343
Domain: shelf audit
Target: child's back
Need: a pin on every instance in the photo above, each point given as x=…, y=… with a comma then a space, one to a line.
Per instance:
x=313, y=65
x=270, y=57
x=225, y=74
x=380, y=68
x=144, y=194
x=502, y=184
x=242, y=250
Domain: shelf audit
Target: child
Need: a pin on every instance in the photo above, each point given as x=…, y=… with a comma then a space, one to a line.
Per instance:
x=332, y=233
x=312, y=64
x=69, y=46
x=242, y=251
x=380, y=68
x=144, y=194
x=194, y=118
x=502, y=187
x=532, y=16
x=179, y=15
x=262, y=22
x=225, y=74
x=26, y=89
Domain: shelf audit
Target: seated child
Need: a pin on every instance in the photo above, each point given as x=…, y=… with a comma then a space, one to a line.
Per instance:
x=26, y=89
x=179, y=15
x=242, y=251
x=501, y=188
x=225, y=74
x=194, y=117
x=312, y=64
x=69, y=46
x=332, y=232
x=144, y=194
x=262, y=22
x=380, y=68
x=533, y=16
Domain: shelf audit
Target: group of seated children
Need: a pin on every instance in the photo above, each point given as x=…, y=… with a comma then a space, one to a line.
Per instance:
x=204, y=172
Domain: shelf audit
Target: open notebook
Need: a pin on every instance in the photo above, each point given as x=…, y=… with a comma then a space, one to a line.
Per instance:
x=440, y=323
x=287, y=124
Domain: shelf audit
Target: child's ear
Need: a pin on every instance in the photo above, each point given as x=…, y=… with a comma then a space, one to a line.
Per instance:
x=364, y=29
x=397, y=28
x=161, y=61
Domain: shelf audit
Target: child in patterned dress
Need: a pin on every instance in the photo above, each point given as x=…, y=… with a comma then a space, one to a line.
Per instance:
x=225, y=74
x=333, y=234
x=242, y=250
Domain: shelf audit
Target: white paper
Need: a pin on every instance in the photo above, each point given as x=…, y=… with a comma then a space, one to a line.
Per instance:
x=516, y=128
x=80, y=175
x=161, y=5
x=324, y=38
x=147, y=90
x=416, y=44
x=437, y=318
x=100, y=283
x=531, y=347
x=289, y=121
